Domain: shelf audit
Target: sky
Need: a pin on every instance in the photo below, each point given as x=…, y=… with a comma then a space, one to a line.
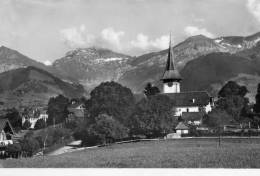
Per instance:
x=45, y=30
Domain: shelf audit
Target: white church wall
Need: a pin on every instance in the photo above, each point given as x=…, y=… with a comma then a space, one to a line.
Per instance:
x=175, y=88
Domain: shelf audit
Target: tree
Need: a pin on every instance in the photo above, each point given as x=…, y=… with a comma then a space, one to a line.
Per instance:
x=150, y=90
x=232, y=100
x=26, y=125
x=231, y=88
x=105, y=130
x=257, y=100
x=113, y=99
x=57, y=109
x=153, y=117
x=217, y=118
x=40, y=123
x=29, y=144
x=15, y=119
x=233, y=105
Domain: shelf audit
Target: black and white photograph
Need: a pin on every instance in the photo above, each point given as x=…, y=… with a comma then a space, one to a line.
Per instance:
x=130, y=84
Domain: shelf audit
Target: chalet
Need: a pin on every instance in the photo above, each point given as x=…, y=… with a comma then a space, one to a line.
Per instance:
x=76, y=111
x=193, y=118
x=6, y=132
x=192, y=101
x=181, y=128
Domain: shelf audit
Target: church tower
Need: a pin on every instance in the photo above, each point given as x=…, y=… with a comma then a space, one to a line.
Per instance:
x=171, y=77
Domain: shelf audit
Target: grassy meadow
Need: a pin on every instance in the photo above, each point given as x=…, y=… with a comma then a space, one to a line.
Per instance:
x=179, y=153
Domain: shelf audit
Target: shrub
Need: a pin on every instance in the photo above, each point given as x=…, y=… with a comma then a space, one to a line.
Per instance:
x=14, y=148
x=30, y=145
x=105, y=130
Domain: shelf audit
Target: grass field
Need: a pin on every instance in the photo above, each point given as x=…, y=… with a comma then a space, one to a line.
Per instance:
x=181, y=153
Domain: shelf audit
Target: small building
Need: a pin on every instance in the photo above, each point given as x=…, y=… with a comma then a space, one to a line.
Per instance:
x=76, y=111
x=192, y=118
x=6, y=132
x=181, y=128
x=35, y=115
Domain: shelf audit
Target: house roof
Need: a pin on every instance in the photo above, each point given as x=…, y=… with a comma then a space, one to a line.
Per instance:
x=192, y=116
x=75, y=105
x=195, y=98
x=3, y=123
x=181, y=126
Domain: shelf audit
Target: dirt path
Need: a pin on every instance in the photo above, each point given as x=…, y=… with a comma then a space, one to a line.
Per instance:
x=68, y=148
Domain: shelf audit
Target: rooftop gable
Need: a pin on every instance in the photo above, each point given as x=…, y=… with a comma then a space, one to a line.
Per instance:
x=181, y=126
x=4, y=123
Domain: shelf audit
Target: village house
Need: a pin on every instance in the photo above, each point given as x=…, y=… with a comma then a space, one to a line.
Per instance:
x=193, y=118
x=35, y=115
x=181, y=128
x=6, y=132
x=76, y=111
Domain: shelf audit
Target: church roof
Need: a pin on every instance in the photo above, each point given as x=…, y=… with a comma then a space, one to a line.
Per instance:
x=192, y=116
x=195, y=98
x=170, y=72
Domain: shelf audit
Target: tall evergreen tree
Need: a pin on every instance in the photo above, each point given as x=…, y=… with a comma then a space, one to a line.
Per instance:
x=57, y=109
x=257, y=100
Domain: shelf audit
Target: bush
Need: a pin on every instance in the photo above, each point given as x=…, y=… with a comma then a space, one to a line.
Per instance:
x=14, y=148
x=53, y=136
x=60, y=135
x=30, y=145
x=105, y=130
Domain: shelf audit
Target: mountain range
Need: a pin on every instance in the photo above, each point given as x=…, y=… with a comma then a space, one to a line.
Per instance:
x=204, y=64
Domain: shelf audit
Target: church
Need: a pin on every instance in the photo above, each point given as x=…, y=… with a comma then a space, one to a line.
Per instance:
x=185, y=103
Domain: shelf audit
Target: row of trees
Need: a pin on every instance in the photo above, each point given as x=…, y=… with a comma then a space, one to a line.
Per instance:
x=232, y=107
x=114, y=115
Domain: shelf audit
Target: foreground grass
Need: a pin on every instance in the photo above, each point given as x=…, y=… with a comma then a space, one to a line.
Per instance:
x=185, y=153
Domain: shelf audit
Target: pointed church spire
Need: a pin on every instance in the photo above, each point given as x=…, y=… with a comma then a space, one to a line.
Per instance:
x=170, y=72
x=170, y=62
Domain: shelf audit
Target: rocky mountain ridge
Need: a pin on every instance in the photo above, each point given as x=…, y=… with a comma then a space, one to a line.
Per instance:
x=93, y=65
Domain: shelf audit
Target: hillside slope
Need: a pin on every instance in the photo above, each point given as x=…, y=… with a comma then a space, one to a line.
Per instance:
x=31, y=85
x=216, y=68
x=150, y=67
